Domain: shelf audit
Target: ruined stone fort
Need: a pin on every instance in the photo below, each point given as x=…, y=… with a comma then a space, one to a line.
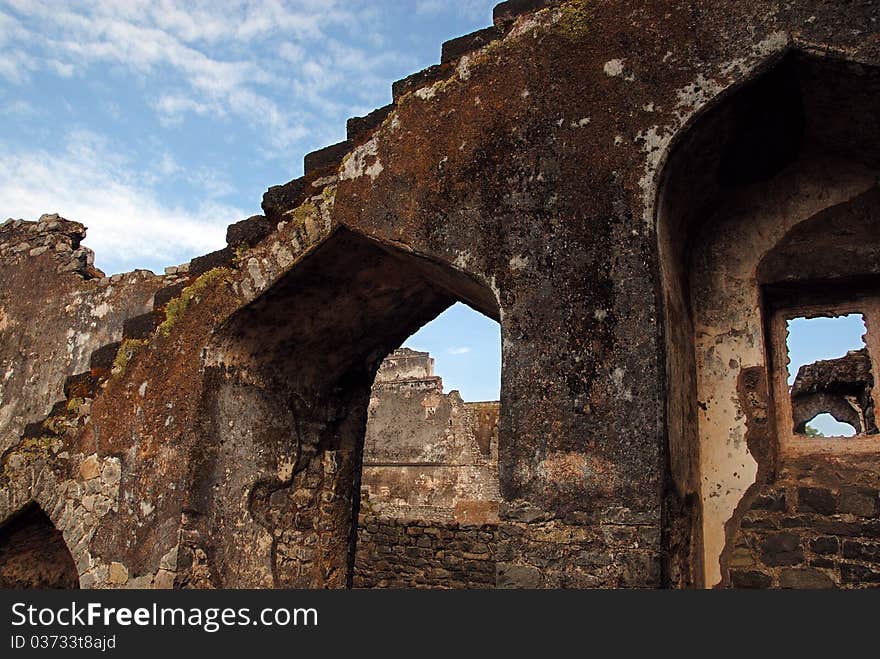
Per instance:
x=642, y=193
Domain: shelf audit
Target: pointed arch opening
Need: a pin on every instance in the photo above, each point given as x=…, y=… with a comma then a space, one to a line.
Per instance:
x=33, y=553
x=764, y=203
x=288, y=385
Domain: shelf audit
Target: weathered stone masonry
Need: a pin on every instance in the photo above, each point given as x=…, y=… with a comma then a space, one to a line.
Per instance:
x=429, y=494
x=628, y=187
x=396, y=553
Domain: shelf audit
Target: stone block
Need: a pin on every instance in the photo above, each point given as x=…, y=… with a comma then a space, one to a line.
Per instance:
x=220, y=259
x=750, y=579
x=455, y=48
x=103, y=357
x=417, y=80
x=142, y=326
x=329, y=156
x=281, y=198
x=816, y=500
x=781, y=549
x=164, y=295
x=517, y=576
x=858, y=574
x=506, y=12
x=859, y=501
x=861, y=551
x=81, y=385
x=358, y=127
x=772, y=502
x=825, y=545
x=250, y=231
x=90, y=467
x=118, y=573
x=805, y=578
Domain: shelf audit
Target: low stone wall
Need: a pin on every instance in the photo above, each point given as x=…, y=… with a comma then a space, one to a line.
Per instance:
x=393, y=553
x=817, y=526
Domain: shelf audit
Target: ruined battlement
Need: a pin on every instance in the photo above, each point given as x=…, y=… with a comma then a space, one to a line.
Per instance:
x=405, y=364
x=641, y=193
x=52, y=235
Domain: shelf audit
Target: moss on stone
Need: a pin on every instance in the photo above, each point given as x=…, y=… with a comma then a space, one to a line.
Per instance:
x=575, y=21
x=329, y=194
x=55, y=424
x=176, y=308
x=28, y=451
x=125, y=353
x=74, y=404
x=240, y=253
x=305, y=211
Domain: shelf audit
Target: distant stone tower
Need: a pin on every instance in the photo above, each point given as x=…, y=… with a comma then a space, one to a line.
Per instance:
x=428, y=455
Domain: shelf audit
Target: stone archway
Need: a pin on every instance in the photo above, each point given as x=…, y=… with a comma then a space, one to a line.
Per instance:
x=764, y=159
x=288, y=380
x=33, y=553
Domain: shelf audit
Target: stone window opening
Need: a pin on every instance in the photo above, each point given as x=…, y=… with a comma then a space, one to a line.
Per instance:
x=823, y=370
x=838, y=385
x=33, y=553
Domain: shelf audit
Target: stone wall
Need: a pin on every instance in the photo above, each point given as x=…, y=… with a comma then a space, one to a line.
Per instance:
x=816, y=526
x=638, y=418
x=56, y=309
x=394, y=553
x=429, y=491
x=428, y=455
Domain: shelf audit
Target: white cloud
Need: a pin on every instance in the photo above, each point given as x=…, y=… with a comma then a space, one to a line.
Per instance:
x=280, y=76
x=87, y=182
x=20, y=108
x=466, y=8
x=458, y=350
x=151, y=39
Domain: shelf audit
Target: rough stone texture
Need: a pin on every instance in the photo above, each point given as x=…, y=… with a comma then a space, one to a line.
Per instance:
x=427, y=455
x=394, y=553
x=326, y=158
x=455, y=48
x=625, y=186
x=53, y=317
x=841, y=387
x=822, y=535
x=429, y=490
x=358, y=127
x=249, y=232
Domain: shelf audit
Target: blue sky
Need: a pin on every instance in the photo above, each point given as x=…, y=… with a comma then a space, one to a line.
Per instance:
x=158, y=123
x=466, y=346
x=812, y=339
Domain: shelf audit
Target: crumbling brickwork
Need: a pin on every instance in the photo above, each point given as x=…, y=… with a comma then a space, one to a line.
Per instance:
x=816, y=526
x=839, y=386
x=429, y=492
x=395, y=553
x=428, y=455
x=628, y=187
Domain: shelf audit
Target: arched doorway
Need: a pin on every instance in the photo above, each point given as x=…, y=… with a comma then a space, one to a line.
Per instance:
x=288, y=381
x=742, y=182
x=33, y=553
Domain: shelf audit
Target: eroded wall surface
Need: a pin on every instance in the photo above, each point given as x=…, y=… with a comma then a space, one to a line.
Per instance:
x=729, y=326
x=222, y=442
x=429, y=491
x=55, y=310
x=428, y=455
